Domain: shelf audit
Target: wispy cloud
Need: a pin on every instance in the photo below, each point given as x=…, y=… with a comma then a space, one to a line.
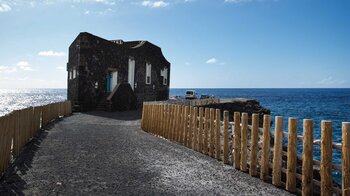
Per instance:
x=211, y=61
x=25, y=66
x=4, y=7
x=155, y=4
x=7, y=5
x=106, y=11
x=51, y=53
x=331, y=81
x=7, y=69
x=246, y=1
x=107, y=2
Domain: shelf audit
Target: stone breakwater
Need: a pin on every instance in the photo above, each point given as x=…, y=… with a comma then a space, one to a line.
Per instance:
x=232, y=105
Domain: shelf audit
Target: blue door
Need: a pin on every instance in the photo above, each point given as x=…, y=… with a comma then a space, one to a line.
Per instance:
x=108, y=83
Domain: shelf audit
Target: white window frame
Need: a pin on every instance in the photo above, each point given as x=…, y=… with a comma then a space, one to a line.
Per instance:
x=148, y=73
x=164, y=73
x=165, y=76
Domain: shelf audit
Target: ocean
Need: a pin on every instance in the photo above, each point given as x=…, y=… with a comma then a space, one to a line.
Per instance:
x=316, y=104
x=14, y=99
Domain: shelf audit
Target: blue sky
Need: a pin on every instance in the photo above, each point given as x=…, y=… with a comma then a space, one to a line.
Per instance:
x=210, y=43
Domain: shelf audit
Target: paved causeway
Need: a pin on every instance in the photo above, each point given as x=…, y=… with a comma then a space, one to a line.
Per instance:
x=108, y=154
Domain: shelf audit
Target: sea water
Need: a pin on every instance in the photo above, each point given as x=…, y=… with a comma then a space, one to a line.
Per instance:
x=14, y=99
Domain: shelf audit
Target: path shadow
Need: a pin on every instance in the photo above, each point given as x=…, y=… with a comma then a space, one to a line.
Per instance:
x=11, y=182
x=130, y=115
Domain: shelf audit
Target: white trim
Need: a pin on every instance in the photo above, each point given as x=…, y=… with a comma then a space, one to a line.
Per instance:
x=74, y=73
x=148, y=73
x=131, y=73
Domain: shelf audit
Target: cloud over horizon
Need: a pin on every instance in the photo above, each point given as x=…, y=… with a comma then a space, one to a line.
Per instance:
x=211, y=61
x=4, y=7
x=155, y=4
x=25, y=66
x=51, y=53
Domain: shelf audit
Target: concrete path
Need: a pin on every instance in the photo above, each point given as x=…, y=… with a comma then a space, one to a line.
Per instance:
x=108, y=154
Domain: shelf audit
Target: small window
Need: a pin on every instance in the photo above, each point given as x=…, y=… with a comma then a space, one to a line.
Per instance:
x=70, y=74
x=96, y=85
x=74, y=73
x=148, y=73
x=164, y=73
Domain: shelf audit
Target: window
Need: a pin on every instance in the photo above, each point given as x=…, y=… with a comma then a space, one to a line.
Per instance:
x=164, y=73
x=74, y=73
x=148, y=73
x=70, y=74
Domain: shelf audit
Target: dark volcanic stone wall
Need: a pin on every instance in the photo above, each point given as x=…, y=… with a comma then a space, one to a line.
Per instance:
x=95, y=57
x=241, y=105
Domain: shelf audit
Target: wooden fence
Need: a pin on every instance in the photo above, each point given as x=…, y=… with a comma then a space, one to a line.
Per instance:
x=19, y=127
x=202, y=130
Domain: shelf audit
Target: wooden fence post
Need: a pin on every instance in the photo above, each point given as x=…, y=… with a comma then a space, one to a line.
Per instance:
x=171, y=111
x=212, y=132
x=254, y=145
x=277, y=152
x=217, y=134
x=190, y=132
x=173, y=122
x=183, y=124
x=200, y=130
x=143, y=117
x=150, y=124
x=156, y=119
x=167, y=121
x=206, y=122
x=6, y=134
x=179, y=125
x=291, y=183
x=346, y=158
x=2, y=143
x=185, y=128
x=264, y=165
x=195, y=131
x=326, y=158
x=146, y=117
x=237, y=140
x=307, y=167
x=163, y=120
x=16, y=135
x=159, y=120
x=244, y=142
x=225, y=148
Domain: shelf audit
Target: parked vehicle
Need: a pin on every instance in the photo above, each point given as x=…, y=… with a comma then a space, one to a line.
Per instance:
x=191, y=94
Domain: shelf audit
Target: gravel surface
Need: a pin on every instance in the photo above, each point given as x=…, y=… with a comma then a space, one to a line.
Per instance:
x=108, y=154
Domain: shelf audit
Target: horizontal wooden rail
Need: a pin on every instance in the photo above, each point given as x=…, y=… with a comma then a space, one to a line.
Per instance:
x=201, y=129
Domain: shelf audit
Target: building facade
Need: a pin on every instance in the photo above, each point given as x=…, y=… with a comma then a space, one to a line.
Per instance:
x=100, y=72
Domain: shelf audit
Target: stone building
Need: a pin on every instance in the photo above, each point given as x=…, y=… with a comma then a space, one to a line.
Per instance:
x=115, y=75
